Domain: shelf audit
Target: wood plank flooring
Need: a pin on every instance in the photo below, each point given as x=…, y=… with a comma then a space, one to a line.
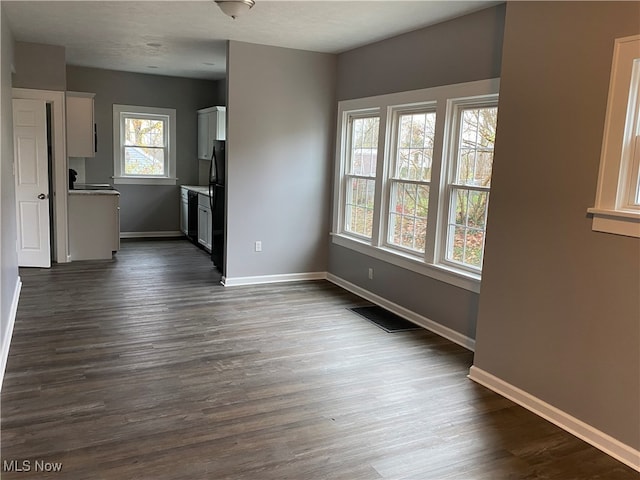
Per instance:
x=144, y=367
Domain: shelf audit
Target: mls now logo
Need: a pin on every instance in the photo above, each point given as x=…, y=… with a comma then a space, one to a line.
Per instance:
x=28, y=466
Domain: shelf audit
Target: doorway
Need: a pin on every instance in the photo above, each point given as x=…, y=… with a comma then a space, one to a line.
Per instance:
x=58, y=172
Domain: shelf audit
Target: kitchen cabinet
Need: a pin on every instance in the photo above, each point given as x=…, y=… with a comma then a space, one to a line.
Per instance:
x=184, y=211
x=204, y=222
x=211, y=126
x=94, y=224
x=81, y=133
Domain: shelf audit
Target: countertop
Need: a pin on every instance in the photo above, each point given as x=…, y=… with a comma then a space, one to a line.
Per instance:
x=94, y=192
x=203, y=189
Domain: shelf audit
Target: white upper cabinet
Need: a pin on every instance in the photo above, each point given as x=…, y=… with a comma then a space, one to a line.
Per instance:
x=211, y=126
x=81, y=140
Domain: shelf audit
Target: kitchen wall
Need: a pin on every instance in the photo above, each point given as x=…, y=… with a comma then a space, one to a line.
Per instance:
x=281, y=112
x=9, y=279
x=461, y=50
x=559, y=311
x=145, y=208
x=40, y=66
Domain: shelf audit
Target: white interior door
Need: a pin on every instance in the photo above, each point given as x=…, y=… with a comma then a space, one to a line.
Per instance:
x=32, y=182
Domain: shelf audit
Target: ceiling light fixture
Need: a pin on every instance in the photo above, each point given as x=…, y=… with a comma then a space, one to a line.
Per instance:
x=234, y=8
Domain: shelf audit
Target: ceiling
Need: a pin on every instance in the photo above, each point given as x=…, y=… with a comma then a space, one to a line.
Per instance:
x=188, y=38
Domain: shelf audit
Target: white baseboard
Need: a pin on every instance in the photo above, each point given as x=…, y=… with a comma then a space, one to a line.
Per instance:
x=6, y=336
x=286, y=277
x=580, y=429
x=424, y=322
x=163, y=234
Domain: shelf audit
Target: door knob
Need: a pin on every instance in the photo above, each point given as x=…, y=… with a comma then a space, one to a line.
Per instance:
x=42, y=196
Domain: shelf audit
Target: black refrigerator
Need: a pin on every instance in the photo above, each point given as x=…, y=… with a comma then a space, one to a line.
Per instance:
x=217, y=200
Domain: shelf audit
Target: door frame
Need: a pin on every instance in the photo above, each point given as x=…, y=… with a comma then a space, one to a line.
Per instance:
x=60, y=235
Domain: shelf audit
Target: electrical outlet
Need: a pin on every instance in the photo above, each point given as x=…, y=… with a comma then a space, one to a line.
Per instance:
x=258, y=246
x=371, y=274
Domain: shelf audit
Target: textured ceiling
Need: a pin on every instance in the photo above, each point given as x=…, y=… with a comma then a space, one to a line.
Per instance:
x=187, y=38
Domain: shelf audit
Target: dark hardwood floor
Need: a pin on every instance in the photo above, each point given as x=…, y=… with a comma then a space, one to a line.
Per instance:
x=144, y=367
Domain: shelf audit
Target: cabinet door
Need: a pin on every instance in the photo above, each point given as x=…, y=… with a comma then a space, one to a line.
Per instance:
x=203, y=136
x=184, y=216
x=204, y=227
x=80, y=125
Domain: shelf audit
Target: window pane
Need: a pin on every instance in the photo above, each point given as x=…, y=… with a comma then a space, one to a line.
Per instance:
x=466, y=231
x=408, y=216
x=359, y=206
x=414, y=156
x=144, y=132
x=144, y=161
x=475, y=149
x=363, y=153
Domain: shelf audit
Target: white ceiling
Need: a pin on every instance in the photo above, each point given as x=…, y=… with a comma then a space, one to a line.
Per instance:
x=187, y=38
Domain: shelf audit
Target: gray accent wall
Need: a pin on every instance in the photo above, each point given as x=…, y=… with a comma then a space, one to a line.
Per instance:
x=145, y=208
x=281, y=125
x=465, y=49
x=8, y=256
x=559, y=313
x=39, y=66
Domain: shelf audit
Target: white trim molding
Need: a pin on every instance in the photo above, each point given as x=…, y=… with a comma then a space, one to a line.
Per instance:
x=424, y=322
x=609, y=445
x=285, y=277
x=163, y=234
x=6, y=336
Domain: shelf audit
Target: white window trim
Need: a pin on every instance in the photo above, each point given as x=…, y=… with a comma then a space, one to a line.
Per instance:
x=119, y=177
x=430, y=264
x=613, y=212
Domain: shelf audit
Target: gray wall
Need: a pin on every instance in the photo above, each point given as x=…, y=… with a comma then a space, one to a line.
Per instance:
x=281, y=112
x=8, y=256
x=145, y=208
x=40, y=66
x=461, y=50
x=559, y=311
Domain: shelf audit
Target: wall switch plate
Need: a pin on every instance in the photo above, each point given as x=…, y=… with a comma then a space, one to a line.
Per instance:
x=371, y=274
x=258, y=246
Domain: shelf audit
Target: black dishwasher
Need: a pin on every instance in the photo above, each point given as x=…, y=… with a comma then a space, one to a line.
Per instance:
x=192, y=217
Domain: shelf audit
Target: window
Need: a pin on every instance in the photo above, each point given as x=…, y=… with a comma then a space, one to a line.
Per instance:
x=144, y=145
x=409, y=184
x=617, y=205
x=470, y=182
x=361, y=174
x=414, y=175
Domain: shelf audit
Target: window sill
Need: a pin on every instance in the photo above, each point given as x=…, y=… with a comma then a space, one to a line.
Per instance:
x=452, y=276
x=144, y=181
x=615, y=221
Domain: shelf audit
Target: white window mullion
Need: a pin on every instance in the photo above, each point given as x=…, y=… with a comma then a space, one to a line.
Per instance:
x=438, y=183
x=381, y=169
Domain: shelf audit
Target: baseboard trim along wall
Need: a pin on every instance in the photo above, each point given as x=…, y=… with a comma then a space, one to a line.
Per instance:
x=6, y=340
x=285, y=277
x=580, y=429
x=177, y=233
x=424, y=322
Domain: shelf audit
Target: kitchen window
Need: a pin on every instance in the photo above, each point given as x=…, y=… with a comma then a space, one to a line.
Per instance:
x=414, y=174
x=144, y=140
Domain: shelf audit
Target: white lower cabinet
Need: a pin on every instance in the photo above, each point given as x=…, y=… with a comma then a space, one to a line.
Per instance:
x=184, y=211
x=204, y=222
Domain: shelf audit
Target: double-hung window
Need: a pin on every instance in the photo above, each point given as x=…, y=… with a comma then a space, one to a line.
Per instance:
x=414, y=175
x=471, y=161
x=410, y=180
x=144, y=145
x=617, y=205
x=360, y=174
